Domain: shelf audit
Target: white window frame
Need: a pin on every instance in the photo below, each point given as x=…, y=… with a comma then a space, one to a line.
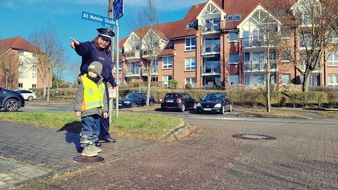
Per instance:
x=190, y=64
x=333, y=59
x=190, y=46
x=167, y=62
x=191, y=80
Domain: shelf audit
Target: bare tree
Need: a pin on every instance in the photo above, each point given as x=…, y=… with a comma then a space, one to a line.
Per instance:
x=314, y=22
x=147, y=20
x=8, y=67
x=50, y=55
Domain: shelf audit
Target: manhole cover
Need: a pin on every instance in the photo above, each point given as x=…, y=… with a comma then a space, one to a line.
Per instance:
x=88, y=159
x=254, y=137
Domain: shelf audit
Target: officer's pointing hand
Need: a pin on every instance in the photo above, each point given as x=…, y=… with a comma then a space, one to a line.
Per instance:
x=74, y=43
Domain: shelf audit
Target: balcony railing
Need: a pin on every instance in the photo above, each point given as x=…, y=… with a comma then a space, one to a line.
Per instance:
x=154, y=71
x=132, y=54
x=260, y=65
x=211, y=70
x=211, y=28
x=211, y=49
x=253, y=42
x=133, y=72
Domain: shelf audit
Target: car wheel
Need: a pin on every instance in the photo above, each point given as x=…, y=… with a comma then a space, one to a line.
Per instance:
x=151, y=103
x=182, y=108
x=133, y=105
x=11, y=105
x=30, y=98
x=223, y=110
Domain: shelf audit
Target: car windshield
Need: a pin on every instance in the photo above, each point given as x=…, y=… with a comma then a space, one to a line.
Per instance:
x=212, y=97
x=131, y=96
x=172, y=95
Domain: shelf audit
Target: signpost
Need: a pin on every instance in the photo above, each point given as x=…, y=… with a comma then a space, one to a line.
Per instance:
x=106, y=21
x=118, y=11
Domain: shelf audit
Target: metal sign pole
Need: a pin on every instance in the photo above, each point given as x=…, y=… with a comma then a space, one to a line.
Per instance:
x=117, y=66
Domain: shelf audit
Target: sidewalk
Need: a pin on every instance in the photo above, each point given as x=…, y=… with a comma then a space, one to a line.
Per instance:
x=31, y=153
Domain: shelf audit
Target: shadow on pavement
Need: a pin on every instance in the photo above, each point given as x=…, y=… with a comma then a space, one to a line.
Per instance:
x=73, y=133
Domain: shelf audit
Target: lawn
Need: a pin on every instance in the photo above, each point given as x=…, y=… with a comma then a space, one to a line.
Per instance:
x=147, y=127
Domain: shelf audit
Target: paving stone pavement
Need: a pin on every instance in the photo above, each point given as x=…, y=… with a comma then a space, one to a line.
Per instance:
x=29, y=153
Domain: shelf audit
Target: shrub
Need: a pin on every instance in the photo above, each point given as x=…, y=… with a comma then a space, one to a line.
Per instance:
x=172, y=83
x=188, y=86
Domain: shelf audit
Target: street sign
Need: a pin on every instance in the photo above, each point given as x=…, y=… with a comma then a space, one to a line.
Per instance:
x=118, y=9
x=106, y=21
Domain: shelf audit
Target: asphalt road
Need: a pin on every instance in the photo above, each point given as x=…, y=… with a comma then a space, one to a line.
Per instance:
x=301, y=154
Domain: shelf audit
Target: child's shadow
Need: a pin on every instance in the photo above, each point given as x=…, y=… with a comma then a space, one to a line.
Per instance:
x=73, y=133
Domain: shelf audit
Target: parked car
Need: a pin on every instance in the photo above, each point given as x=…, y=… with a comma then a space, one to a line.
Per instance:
x=214, y=102
x=135, y=99
x=178, y=101
x=11, y=100
x=27, y=94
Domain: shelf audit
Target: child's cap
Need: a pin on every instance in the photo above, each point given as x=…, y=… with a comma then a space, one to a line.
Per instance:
x=96, y=67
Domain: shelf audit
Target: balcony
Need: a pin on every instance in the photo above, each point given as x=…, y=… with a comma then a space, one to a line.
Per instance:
x=210, y=70
x=145, y=71
x=132, y=54
x=259, y=66
x=211, y=28
x=211, y=49
x=133, y=72
x=253, y=42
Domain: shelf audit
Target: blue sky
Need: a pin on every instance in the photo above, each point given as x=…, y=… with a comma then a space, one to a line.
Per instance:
x=25, y=17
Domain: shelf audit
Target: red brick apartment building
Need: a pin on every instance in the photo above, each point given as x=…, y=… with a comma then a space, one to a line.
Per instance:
x=18, y=65
x=219, y=42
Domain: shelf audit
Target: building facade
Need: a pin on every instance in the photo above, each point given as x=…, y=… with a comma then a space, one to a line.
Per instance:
x=19, y=66
x=228, y=42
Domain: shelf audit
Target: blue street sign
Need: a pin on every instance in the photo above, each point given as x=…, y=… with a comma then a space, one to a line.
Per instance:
x=106, y=21
x=118, y=9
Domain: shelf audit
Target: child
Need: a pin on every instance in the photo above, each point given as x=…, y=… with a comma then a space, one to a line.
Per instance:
x=91, y=104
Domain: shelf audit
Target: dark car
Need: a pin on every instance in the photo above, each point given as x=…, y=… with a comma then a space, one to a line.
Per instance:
x=11, y=100
x=135, y=99
x=178, y=101
x=214, y=102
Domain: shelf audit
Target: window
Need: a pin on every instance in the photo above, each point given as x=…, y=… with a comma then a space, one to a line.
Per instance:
x=286, y=78
x=20, y=85
x=190, y=44
x=33, y=85
x=306, y=40
x=167, y=62
x=306, y=18
x=233, y=36
x=190, y=64
x=230, y=17
x=238, y=17
x=333, y=59
x=165, y=79
x=192, y=81
x=334, y=38
x=233, y=58
x=285, y=55
x=286, y=32
x=137, y=47
x=234, y=79
x=333, y=79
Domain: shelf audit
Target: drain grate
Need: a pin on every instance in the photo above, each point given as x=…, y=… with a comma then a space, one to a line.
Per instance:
x=88, y=159
x=254, y=137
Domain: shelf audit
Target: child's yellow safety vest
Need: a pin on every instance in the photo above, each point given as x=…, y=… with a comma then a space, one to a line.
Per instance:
x=93, y=94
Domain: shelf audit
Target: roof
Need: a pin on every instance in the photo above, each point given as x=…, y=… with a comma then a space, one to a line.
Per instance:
x=234, y=7
x=17, y=43
x=181, y=29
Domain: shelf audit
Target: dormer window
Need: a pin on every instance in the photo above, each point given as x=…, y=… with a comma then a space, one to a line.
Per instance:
x=235, y=17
